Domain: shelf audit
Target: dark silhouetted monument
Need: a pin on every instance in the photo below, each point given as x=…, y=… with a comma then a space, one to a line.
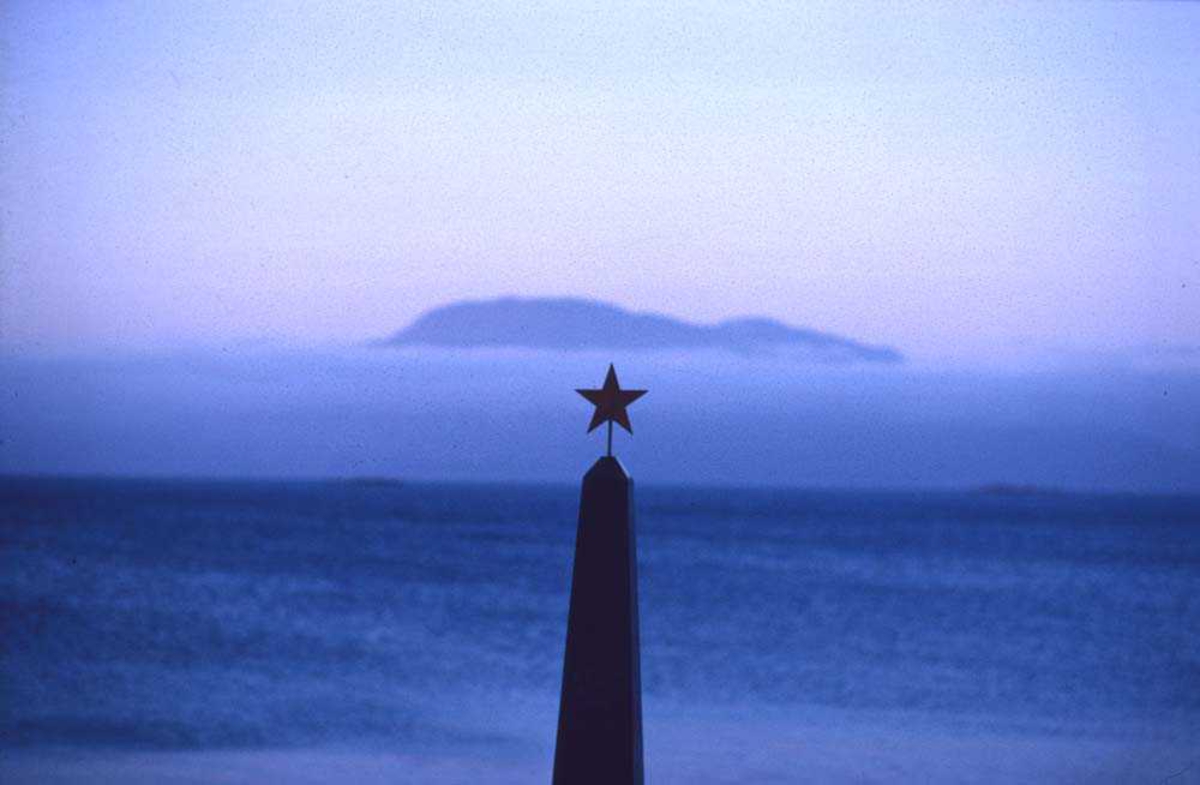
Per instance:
x=600, y=713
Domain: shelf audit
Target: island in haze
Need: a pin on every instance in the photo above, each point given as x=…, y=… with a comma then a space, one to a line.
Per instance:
x=574, y=324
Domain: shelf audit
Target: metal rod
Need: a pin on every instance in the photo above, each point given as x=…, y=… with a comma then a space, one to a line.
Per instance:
x=610, y=438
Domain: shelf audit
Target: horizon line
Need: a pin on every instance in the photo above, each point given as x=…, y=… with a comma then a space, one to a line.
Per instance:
x=990, y=489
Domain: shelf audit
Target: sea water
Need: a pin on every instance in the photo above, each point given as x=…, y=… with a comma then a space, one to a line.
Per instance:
x=188, y=631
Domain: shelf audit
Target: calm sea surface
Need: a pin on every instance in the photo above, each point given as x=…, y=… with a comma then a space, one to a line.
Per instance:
x=165, y=631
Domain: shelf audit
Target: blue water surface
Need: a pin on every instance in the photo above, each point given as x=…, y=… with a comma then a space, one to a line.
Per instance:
x=425, y=622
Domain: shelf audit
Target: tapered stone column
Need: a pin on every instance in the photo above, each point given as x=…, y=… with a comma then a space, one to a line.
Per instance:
x=600, y=712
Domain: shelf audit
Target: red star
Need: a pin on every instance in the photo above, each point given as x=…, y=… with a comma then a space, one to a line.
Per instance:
x=610, y=401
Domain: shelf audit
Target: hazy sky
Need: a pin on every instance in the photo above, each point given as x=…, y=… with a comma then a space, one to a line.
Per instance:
x=957, y=181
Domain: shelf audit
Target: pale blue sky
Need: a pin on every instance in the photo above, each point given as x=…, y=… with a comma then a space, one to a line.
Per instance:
x=959, y=180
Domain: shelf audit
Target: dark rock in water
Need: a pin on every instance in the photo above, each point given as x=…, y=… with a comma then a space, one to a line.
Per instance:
x=576, y=324
x=1015, y=489
x=374, y=482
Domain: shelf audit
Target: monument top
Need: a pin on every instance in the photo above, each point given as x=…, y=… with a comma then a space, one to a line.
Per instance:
x=610, y=402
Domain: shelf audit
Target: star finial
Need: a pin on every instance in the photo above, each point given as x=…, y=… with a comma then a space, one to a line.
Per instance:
x=610, y=401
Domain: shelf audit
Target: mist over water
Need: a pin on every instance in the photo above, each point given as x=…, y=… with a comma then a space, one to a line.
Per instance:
x=508, y=415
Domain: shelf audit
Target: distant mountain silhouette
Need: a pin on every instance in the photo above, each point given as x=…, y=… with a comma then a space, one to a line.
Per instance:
x=577, y=324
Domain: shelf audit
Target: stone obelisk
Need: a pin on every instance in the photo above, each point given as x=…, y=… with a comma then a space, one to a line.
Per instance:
x=600, y=712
